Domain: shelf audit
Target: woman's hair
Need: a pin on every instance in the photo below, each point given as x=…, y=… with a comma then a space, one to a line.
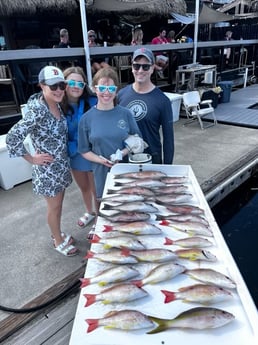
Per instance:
x=106, y=73
x=86, y=91
x=137, y=35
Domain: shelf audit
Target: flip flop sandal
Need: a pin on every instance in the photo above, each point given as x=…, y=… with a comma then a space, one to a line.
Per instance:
x=85, y=220
x=68, y=239
x=91, y=232
x=67, y=250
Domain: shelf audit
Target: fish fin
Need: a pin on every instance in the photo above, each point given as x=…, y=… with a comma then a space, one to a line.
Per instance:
x=168, y=241
x=162, y=325
x=106, y=301
x=102, y=283
x=84, y=282
x=164, y=222
x=95, y=239
x=137, y=283
x=108, y=228
x=169, y=296
x=93, y=324
x=107, y=246
x=90, y=299
x=89, y=255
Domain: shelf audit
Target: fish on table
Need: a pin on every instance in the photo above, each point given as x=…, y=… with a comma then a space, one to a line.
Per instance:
x=122, y=241
x=122, y=198
x=183, y=218
x=146, y=174
x=169, y=189
x=135, y=228
x=185, y=209
x=148, y=183
x=120, y=293
x=126, y=217
x=127, y=320
x=190, y=228
x=114, y=256
x=151, y=255
x=132, y=207
x=189, y=242
x=198, y=293
x=194, y=318
x=175, y=198
x=160, y=273
x=111, y=275
x=136, y=190
x=195, y=254
x=175, y=179
x=211, y=276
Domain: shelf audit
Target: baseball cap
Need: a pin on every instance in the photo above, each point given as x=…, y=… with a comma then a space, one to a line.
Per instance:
x=144, y=52
x=51, y=75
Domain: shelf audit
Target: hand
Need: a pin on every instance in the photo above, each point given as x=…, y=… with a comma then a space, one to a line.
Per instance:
x=42, y=158
x=117, y=156
x=135, y=144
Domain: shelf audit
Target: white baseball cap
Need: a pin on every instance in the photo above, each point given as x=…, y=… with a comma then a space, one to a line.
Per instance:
x=50, y=75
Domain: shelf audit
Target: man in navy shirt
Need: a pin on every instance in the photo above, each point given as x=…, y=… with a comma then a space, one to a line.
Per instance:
x=150, y=107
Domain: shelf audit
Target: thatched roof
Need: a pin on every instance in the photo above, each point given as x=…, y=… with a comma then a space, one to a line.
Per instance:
x=162, y=7
x=19, y=7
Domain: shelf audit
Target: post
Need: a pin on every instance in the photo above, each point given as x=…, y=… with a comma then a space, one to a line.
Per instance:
x=85, y=41
x=196, y=24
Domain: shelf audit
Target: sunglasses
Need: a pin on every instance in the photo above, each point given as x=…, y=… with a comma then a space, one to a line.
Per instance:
x=104, y=88
x=145, y=66
x=93, y=36
x=74, y=83
x=61, y=86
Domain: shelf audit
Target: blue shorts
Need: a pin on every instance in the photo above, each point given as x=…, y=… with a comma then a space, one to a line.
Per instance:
x=77, y=162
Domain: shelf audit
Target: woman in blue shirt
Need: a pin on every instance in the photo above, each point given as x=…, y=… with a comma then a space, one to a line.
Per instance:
x=78, y=99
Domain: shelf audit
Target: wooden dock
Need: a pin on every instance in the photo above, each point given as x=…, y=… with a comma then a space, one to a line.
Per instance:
x=53, y=324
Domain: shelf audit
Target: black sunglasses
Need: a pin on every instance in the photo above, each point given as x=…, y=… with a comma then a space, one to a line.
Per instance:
x=61, y=86
x=145, y=66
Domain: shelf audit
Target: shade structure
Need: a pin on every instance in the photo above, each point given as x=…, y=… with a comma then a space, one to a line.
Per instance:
x=157, y=7
x=18, y=7
x=207, y=16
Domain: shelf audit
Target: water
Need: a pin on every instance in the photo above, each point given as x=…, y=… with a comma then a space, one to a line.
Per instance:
x=237, y=217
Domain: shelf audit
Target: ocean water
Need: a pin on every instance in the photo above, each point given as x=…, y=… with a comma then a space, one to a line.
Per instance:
x=237, y=217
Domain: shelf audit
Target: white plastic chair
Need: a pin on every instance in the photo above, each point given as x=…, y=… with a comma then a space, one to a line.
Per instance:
x=192, y=104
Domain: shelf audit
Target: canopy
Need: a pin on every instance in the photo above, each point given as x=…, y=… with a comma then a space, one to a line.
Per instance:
x=207, y=16
x=137, y=6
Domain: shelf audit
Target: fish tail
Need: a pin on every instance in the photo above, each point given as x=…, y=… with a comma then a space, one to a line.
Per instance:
x=111, y=191
x=164, y=222
x=162, y=325
x=89, y=255
x=84, y=282
x=169, y=296
x=107, y=207
x=137, y=283
x=93, y=324
x=118, y=183
x=159, y=217
x=95, y=239
x=168, y=241
x=108, y=228
x=90, y=299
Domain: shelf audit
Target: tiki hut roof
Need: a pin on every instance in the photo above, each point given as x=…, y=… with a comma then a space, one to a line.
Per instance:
x=160, y=7
x=20, y=7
